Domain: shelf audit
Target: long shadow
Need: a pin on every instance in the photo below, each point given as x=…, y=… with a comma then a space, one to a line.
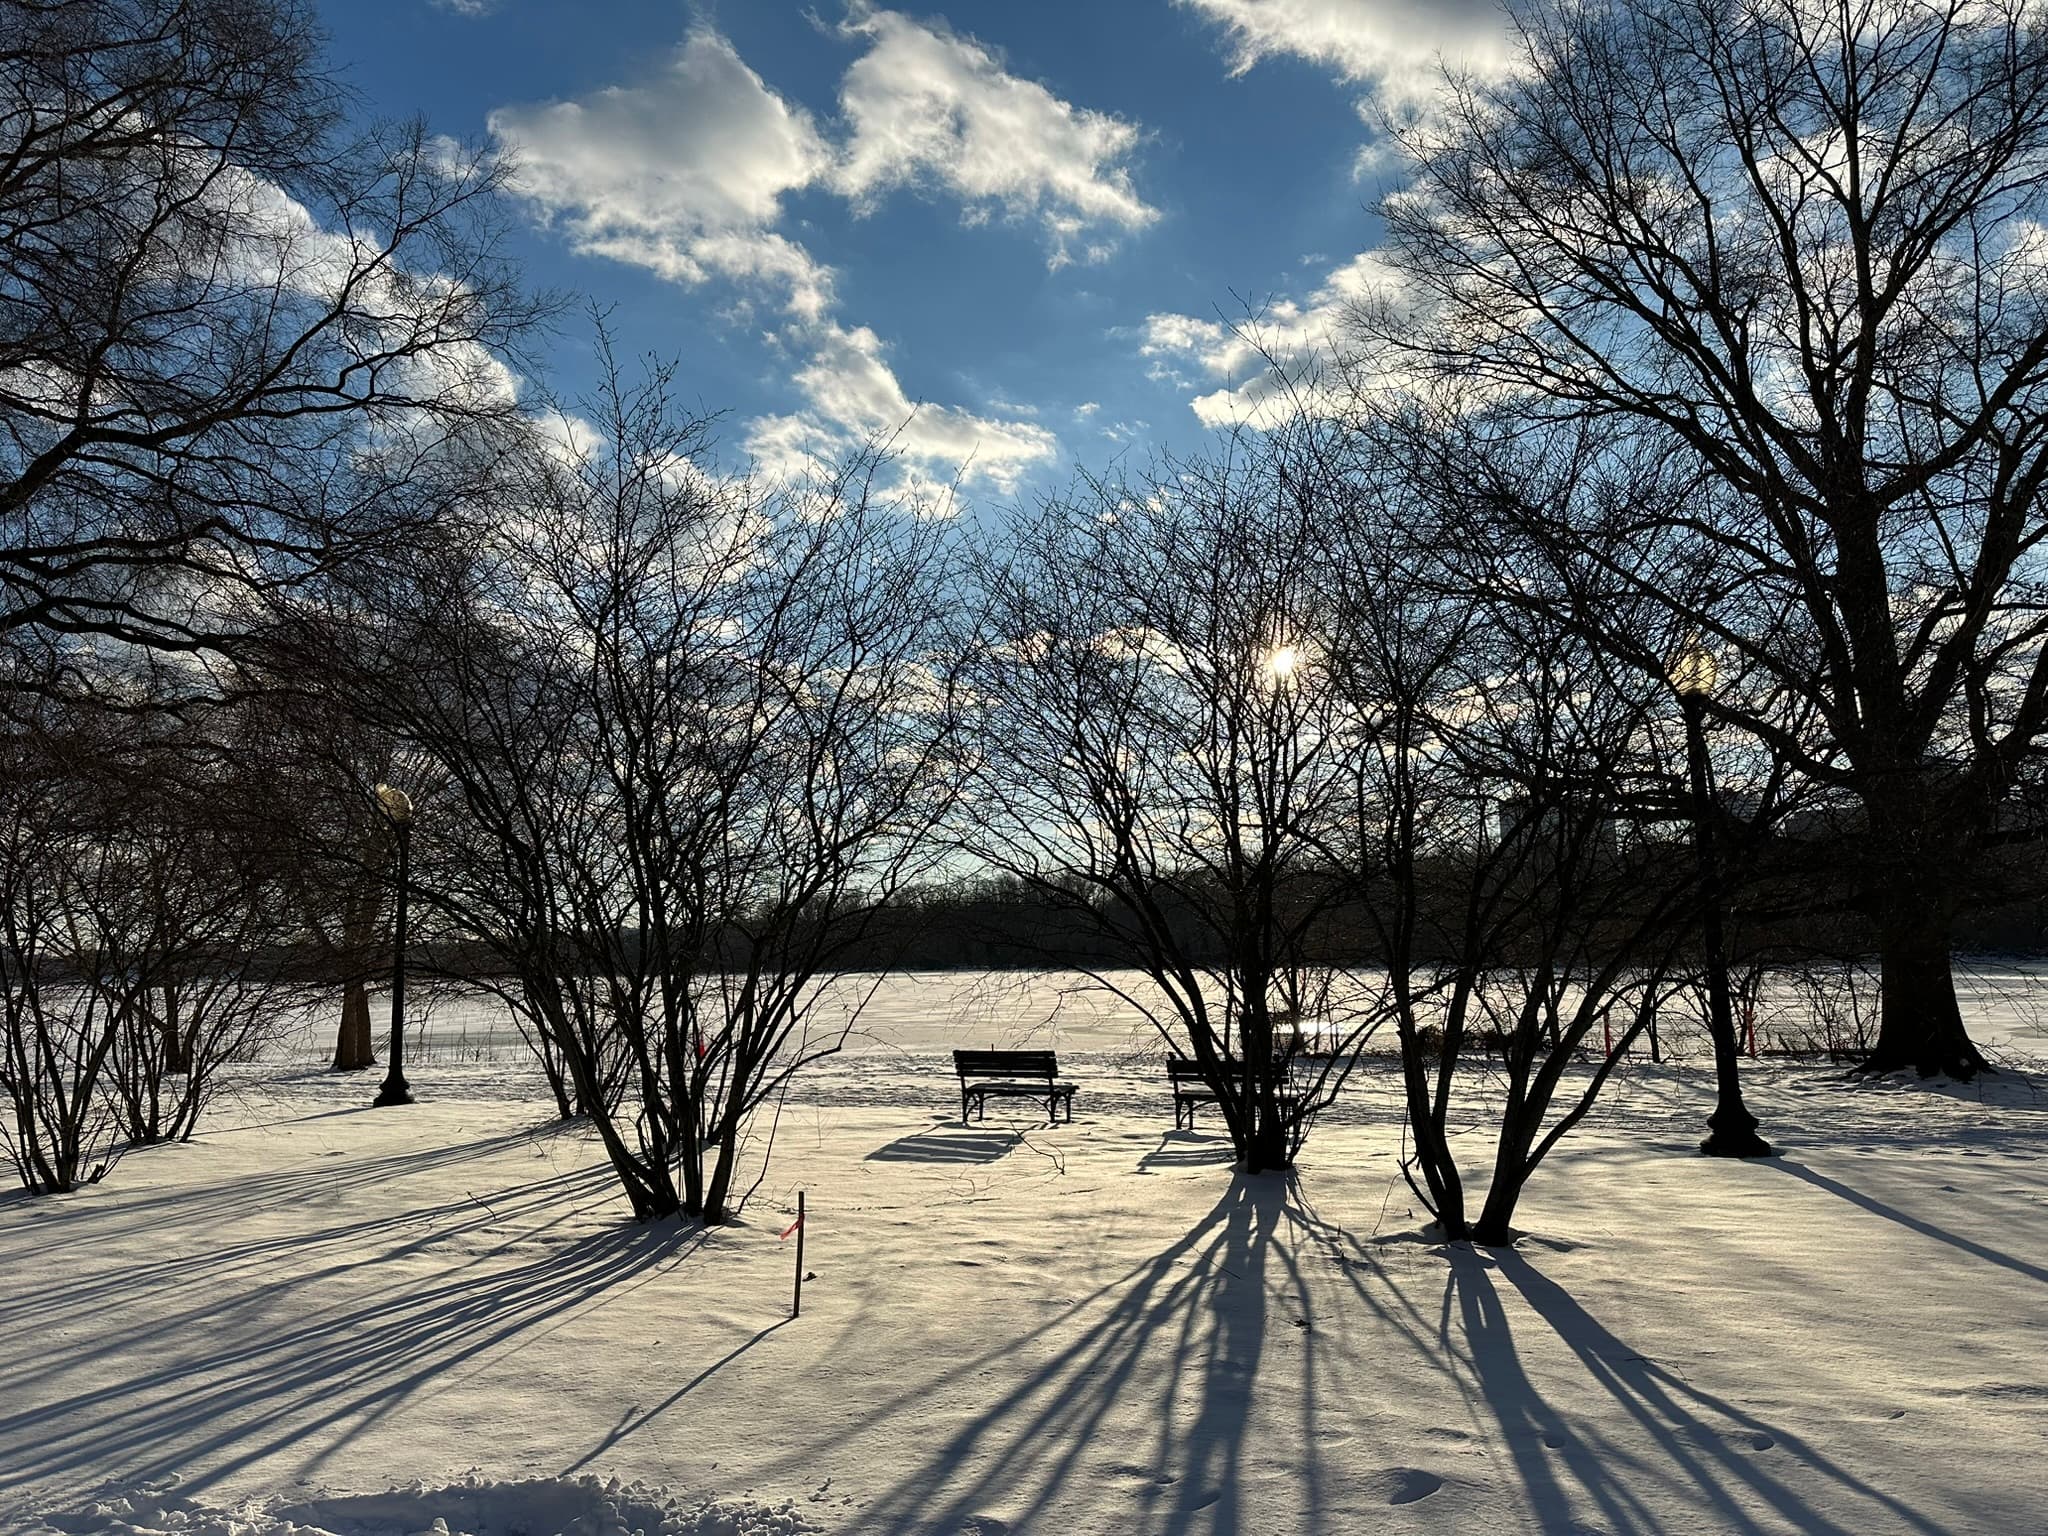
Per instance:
x=199, y=1206
x=320, y=1384
x=630, y=1424
x=1707, y=1449
x=1702, y=1451
x=1203, y=1299
x=1912, y=1223
x=186, y=1291
x=198, y=1211
x=944, y=1145
x=1187, y=1149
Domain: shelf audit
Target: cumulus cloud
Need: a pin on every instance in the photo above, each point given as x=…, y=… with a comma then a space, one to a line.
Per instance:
x=1271, y=363
x=1393, y=46
x=684, y=175
x=688, y=175
x=925, y=106
x=852, y=396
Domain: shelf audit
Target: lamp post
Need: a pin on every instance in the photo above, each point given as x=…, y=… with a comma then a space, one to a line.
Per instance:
x=1731, y=1127
x=397, y=808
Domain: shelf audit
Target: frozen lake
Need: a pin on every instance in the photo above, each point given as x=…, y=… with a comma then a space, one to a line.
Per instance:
x=926, y=1014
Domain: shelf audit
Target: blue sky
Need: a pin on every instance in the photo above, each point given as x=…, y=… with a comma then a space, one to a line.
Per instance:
x=1016, y=225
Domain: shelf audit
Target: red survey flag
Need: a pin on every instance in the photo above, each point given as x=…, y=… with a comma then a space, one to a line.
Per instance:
x=791, y=1227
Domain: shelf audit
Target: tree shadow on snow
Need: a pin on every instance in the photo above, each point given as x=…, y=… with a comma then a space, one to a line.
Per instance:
x=1913, y=1223
x=1688, y=1448
x=191, y=1218
x=1675, y=1447
x=210, y=1383
x=1195, y=1316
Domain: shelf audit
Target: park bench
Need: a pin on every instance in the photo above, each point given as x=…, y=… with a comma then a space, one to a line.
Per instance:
x=1191, y=1089
x=1011, y=1075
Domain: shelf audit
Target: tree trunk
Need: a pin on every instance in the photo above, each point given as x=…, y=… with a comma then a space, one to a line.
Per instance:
x=1432, y=1148
x=1495, y=1229
x=1266, y=1150
x=1920, y=1025
x=352, y=1050
x=565, y=1108
x=718, y=1189
x=177, y=1045
x=1519, y=1119
x=691, y=1140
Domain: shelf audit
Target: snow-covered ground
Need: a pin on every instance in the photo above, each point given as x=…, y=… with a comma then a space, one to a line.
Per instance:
x=326, y=1318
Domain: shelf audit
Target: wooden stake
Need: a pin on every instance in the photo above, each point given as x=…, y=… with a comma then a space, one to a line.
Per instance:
x=796, y=1305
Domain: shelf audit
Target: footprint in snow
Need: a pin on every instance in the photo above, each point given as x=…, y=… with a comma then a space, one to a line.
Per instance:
x=1403, y=1485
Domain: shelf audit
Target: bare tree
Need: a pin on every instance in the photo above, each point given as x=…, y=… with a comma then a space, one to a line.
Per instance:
x=142, y=935
x=57, y=1033
x=329, y=846
x=1153, y=754
x=231, y=328
x=187, y=932
x=1793, y=245
x=1514, y=849
x=687, y=736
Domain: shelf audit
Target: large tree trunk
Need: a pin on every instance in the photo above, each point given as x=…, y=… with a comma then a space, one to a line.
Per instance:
x=1918, y=847
x=352, y=1049
x=1920, y=1026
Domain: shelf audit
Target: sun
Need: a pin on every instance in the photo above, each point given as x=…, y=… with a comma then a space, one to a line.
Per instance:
x=1282, y=662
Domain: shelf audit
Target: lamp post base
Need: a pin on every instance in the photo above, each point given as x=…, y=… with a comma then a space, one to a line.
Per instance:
x=396, y=1090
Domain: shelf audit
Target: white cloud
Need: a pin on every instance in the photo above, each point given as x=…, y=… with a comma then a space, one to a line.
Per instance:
x=927, y=107
x=1168, y=334
x=854, y=396
x=687, y=176
x=1392, y=45
x=684, y=176
x=1272, y=361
